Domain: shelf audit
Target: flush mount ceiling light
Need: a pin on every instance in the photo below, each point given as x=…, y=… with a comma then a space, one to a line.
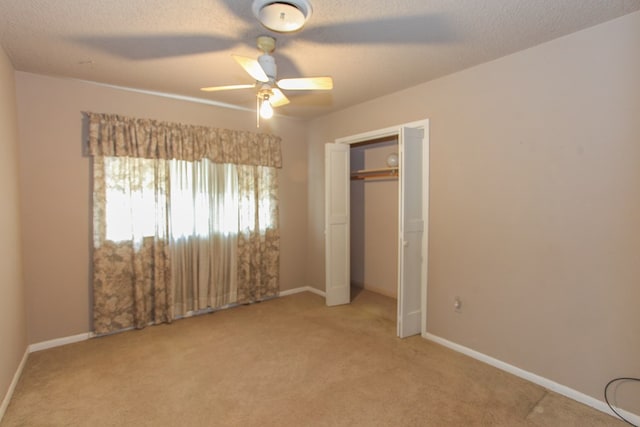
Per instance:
x=282, y=16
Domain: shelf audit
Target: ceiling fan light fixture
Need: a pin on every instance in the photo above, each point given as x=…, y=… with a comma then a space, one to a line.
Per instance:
x=266, y=110
x=282, y=16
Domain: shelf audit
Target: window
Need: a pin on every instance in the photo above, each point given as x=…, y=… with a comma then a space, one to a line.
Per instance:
x=185, y=218
x=203, y=199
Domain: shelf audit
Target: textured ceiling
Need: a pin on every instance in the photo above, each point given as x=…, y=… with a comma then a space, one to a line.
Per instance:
x=369, y=47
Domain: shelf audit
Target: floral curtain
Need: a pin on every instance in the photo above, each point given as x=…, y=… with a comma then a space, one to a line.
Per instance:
x=131, y=276
x=259, y=237
x=149, y=268
x=111, y=135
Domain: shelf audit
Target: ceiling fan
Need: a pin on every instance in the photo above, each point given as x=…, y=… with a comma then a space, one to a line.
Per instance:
x=264, y=71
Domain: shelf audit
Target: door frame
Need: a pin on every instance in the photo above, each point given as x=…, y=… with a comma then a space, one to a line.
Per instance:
x=395, y=131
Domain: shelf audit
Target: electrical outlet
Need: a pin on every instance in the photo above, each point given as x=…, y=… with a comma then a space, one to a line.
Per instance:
x=457, y=304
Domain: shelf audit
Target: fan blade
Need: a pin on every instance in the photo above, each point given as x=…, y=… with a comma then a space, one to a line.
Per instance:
x=229, y=87
x=307, y=83
x=252, y=67
x=277, y=98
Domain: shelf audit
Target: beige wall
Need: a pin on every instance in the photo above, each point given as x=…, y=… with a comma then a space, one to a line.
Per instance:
x=374, y=222
x=534, y=204
x=13, y=326
x=55, y=188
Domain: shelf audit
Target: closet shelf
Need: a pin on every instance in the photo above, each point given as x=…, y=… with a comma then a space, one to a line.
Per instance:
x=375, y=173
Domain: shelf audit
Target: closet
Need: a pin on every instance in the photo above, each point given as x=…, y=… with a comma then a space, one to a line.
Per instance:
x=372, y=177
x=374, y=215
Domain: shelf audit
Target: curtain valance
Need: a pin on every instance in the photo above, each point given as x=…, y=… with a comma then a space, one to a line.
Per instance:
x=117, y=136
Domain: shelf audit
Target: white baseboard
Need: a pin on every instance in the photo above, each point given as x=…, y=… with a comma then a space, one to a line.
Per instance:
x=85, y=336
x=302, y=289
x=60, y=341
x=536, y=379
x=14, y=382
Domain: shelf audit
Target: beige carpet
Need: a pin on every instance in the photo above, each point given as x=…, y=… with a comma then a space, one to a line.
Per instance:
x=290, y=361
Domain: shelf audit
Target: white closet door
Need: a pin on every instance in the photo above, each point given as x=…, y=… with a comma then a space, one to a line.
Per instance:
x=411, y=271
x=337, y=206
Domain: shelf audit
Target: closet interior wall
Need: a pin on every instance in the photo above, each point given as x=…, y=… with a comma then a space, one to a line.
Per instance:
x=374, y=218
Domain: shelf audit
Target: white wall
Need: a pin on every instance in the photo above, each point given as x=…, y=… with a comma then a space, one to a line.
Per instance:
x=13, y=326
x=534, y=204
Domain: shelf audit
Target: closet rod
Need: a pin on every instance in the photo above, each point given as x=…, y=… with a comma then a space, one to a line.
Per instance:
x=360, y=175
